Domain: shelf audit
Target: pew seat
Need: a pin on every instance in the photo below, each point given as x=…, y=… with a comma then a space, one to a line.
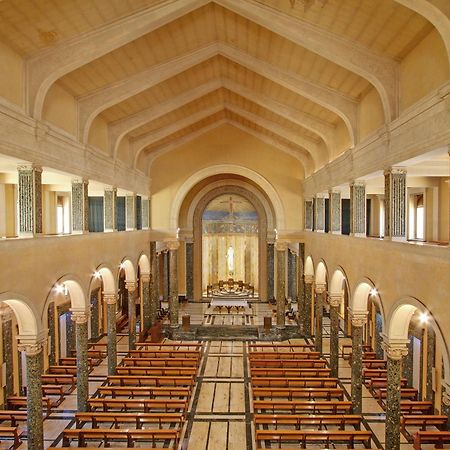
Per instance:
x=405, y=394
x=288, y=363
x=149, y=380
x=289, y=373
x=281, y=347
x=145, y=405
x=295, y=382
x=302, y=407
x=69, y=381
x=416, y=407
x=19, y=402
x=13, y=416
x=138, y=419
x=423, y=421
x=63, y=370
x=72, y=361
x=162, y=371
x=143, y=391
x=297, y=421
x=159, y=362
x=284, y=355
x=298, y=393
x=11, y=433
x=192, y=354
x=438, y=438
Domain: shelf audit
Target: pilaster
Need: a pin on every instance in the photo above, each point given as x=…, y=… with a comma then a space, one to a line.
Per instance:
x=110, y=209
x=335, y=222
x=358, y=209
x=80, y=206
x=145, y=213
x=395, y=204
x=309, y=215
x=130, y=212
x=320, y=214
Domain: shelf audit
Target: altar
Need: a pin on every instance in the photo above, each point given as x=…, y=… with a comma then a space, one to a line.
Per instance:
x=229, y=303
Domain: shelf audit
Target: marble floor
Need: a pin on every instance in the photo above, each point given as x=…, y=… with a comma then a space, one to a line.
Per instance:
x=220, y=410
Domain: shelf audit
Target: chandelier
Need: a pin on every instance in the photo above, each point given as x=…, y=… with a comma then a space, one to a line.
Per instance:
x=308, y=3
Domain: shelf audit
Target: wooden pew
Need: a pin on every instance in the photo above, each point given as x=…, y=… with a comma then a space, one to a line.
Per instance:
x=289, y=373
x=374, y=384
x=69, y=381
x=365, y=355
x=345, y=354
x=405, y=394
x=416, y=407
x=143, y=391
x=63, y=370
x=131, y=436
x=149, y=380
x=298, y=393
x=169, y=346
x=163, y=371
x=94, y=353
x=11, y=433
x=303, y=407
x=145, y=405
x=281, y=347
x=438, y=438
x=53, y=389
x=319, y=421
x=374, y=363
x=19, y=402
x=423, y=421
x=137, y=419
x=325, y=437
x=13, y=416
x=288, y=363
x=160, y=362
x=121, y=323
x=194, y=354
x=284, y=355
x=373, y=373
x=72, y=361
x=295, y=382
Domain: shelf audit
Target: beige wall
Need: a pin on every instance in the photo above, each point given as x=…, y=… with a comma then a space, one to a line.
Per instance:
x=444, y=208
x=226, y=145
x=98, y=134
x=11, y=75
x=424, y=69
x=342, y=139
x=371, y=114
x=60, y=108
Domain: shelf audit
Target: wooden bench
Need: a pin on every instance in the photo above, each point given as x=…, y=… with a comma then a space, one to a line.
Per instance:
x=63, y=370
x=121, y=323
x=373, y=373
x=72, y=361
x=303, y=407
x=19, y=402
x=13, y=416
x=405, y=394
x=136, y=419
x=163, y=371
x=325, y=437
x=374, y=363
x=347, y=355
x=145, y=405
x=117, y=448
x=284, y=355
x=160, y=362
x=423, y=421
x=143, y=391
x=194, y=354
x=374, y=384
x=319, y=421
x=278, y=347
x=438, y=438
x=289, y=373
x=416, y=407
x=170, y=346
x=93, y=352
x=288, y=363
x=295, y=382
x=365, y=355
x=69, y=381
x=149, y=380
x=299, y=393
x=130, y=435
x=11, y=433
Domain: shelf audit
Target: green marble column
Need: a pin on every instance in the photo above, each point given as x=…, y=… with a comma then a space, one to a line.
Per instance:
x=358, y=321
x=131, y=287
x=51, y=333
x=394, y=354
x=318, y=321
x=35, y=429
x=111, y=302
x=281, y=248
x=335, y=302
x=80, y=206
x=173, y=283
x=270, y=271
x=146, y=301
x=80, y=319
x=307, y=302
x=7, y=339
x=189, y=270
x=152, y=284
x=165, y=274
x=445, y=402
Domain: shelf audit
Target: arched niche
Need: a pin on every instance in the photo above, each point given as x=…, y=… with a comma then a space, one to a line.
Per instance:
x=321, y=273
x=309, y=266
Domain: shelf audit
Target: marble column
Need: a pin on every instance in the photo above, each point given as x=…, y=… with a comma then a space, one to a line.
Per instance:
x=281, y=248
x=359, y=319
x=378, y=338
x=290, y=274
x=394, y=352
x=319, y=225
x=111, y=302
x=6, y=316
x=80, y=319
x=270, y=270
x=307, y=302
x=35, y=429
x=431, y=349
x=130, y=212
x=358, y=209
x=165, y=281
x=395, y=204
x=335, y=222
x=110, y=209
x=30, y=200
x=158, y=281
x=309, y=215
x=145, y=213
x=131, y=287
x=152, y=285
x=320, y=291
x=146, y=302
x=335, y=303
x=51, y=333
x=301, y=283
x=80, y=206
x=445, y=402
x=173, y=283
x=189, y=270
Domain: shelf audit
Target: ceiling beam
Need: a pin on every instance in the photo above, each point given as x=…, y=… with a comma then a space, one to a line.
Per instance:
x=381, y=71
x=46, y=66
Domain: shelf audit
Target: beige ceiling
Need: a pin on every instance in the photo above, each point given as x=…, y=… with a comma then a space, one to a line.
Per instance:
x=241, y=94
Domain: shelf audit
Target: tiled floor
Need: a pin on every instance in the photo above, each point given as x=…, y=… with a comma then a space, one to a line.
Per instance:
x=220, y=414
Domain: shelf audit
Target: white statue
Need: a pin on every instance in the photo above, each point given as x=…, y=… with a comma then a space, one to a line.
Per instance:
x=230, y=260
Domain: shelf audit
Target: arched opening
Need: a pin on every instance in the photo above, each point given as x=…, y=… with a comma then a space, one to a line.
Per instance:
x=339, y=286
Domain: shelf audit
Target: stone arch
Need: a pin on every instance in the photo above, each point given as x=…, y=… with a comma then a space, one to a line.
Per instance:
x=197, y=228
x=78, y=298
x=233, y=169
x=321, y=273
x=127, y=266
x=398, y=321
x=337, y=280
x=109, y=282
x=360, y=296
x=309, y=266
x=144, y=263
x=26, y=314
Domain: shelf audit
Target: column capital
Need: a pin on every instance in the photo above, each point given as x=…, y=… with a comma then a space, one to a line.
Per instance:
x=335, y=299
x=320, y=288
x=31, y=349
x=145, y=277
x=309, y=279
x=110, y=298
x=358, y=318
x=130, y=286
x=446, y=393
x=394, y=170
x=395, y=348
x=357, y=183
x=34, y=167
x=281, y=246
x=173, y=245
x=79, y=317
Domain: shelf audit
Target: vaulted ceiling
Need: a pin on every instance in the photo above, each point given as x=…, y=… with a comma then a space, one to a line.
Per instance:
x=161, y=72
